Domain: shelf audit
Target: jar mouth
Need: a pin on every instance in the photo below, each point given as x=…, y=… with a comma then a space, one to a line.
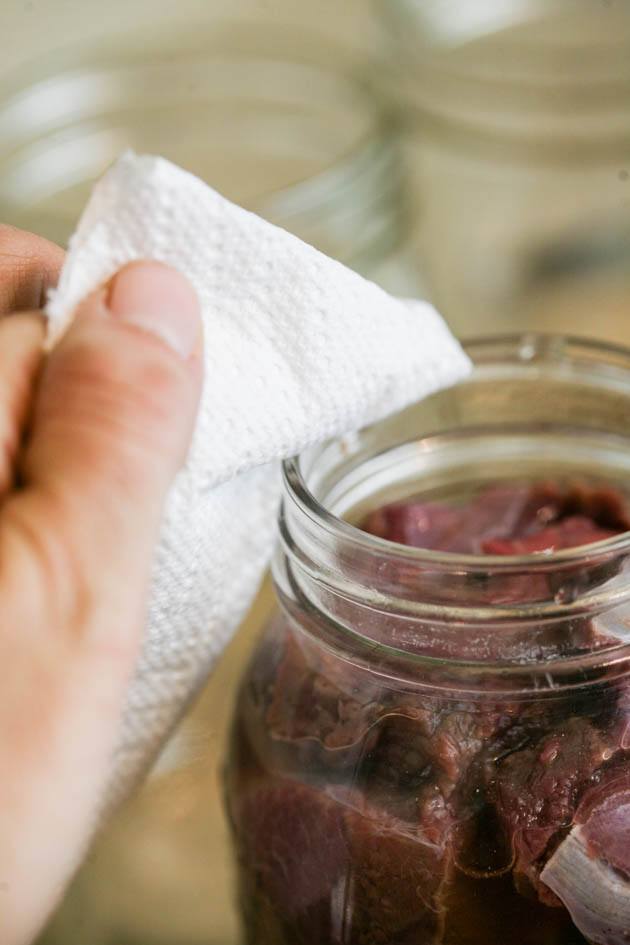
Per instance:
x=526, y=621
x=297, y=488
x=447, y=560
x=281, y=121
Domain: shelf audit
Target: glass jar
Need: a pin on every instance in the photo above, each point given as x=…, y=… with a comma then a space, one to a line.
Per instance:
x=277, y=120
x=420, y=733
x=519, y=152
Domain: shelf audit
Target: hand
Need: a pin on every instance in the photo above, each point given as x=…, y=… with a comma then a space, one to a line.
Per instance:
x=91, y=437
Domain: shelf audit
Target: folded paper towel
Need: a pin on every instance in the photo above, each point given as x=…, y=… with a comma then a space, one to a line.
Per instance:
x=297, y=349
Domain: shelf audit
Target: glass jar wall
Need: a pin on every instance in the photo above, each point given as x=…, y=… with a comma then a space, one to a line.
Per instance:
x=277, y=120
x=519, y=148
x=430, y=746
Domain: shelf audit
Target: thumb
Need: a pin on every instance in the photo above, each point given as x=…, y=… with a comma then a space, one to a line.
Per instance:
x=111, y=425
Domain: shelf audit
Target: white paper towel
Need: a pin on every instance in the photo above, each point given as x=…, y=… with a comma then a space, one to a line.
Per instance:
x=297, y=349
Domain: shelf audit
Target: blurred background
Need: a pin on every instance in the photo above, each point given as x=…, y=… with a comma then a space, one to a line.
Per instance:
x=476, y=153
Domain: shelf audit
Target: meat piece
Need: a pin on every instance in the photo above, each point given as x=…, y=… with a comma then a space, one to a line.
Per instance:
x=444, y=527
x=421, y=754
x=333, y=868
x=394, y=878
x=506, y=520
x=417, y=524
x=590, y=870
x=596, y=895
x=321, y=709
x=606, y=827
x=291, y=842
x=568, y=533
x=538, y=791
x=604, y=504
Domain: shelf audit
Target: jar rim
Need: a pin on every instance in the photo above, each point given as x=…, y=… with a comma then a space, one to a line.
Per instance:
x=297, y=489
x=531, y=80
x=468, y=617
x=63, y=120
x=463, y=618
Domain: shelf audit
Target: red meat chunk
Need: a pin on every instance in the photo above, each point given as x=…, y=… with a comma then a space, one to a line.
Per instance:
x=506, y=520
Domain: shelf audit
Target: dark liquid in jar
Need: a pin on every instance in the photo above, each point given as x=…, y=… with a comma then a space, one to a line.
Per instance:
x=374, y=816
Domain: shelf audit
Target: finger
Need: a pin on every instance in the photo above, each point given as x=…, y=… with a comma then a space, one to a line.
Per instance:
x=29, y=267
x=111, y=426
x=21, y=338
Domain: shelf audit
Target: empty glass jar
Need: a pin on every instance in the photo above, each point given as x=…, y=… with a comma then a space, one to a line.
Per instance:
x=275, y=119
x=518, y=122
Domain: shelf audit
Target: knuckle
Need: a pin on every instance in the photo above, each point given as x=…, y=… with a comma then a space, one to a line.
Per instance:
x=125, y=406
x=28, y=266
x=136, y=389
x=37, y=535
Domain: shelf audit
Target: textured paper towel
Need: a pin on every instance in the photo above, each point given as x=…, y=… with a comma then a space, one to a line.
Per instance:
x=297, y=349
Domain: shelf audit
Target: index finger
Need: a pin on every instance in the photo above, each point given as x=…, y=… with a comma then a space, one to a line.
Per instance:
x=29, y=266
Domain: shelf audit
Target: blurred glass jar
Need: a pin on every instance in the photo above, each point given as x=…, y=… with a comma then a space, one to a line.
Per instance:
x=277, y=120
x=419, y=731
x=518, y=116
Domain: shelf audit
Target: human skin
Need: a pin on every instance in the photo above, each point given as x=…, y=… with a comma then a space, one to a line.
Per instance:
x=91, y=437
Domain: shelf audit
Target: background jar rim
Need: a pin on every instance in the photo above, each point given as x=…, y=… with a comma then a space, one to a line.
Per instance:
x=57, y=129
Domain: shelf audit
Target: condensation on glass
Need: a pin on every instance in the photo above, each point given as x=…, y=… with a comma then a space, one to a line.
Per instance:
x=432, y=747
x=276, y=119
x=519, y=144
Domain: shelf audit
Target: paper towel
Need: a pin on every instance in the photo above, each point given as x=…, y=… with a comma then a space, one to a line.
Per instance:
x=297, y=349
